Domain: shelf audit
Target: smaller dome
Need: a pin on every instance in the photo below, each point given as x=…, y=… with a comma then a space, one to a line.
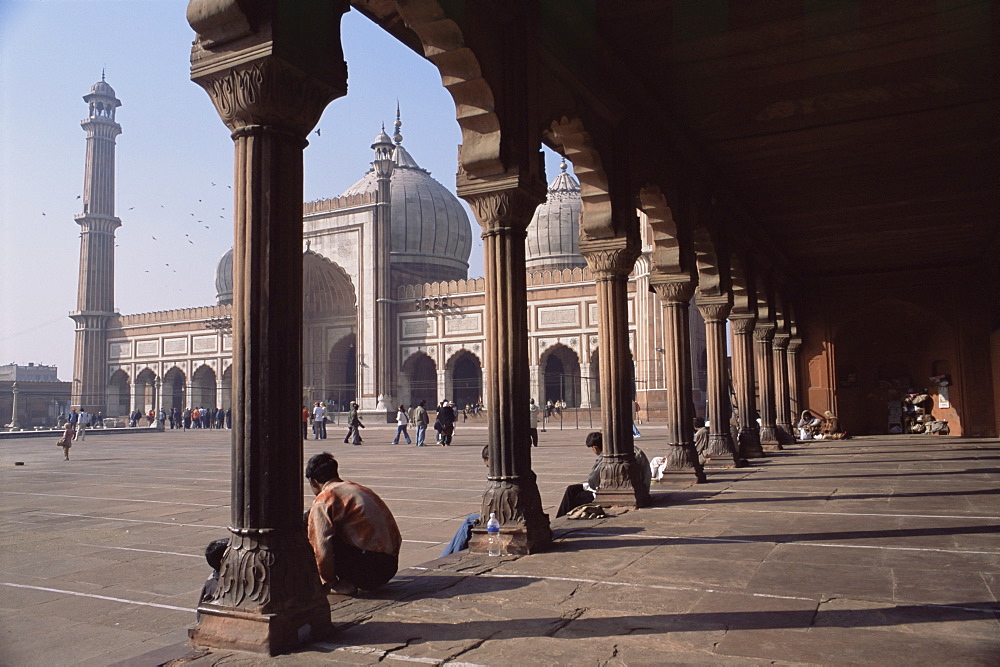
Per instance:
x=102, y=88
x=224, y=279
x=553, y=234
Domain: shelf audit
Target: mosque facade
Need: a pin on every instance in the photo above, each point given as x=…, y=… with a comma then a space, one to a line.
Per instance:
x=390, y=315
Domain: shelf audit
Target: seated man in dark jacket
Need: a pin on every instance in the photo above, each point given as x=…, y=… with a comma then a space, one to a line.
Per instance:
x=583, y=494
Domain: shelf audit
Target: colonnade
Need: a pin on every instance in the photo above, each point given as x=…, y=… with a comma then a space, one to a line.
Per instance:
x=269, y=597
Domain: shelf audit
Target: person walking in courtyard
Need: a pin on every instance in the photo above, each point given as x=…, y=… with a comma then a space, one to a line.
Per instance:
x=305, y=423
x=421, y=419
x=66, y=441
x=82, y=424
x=402, y=420
x=318, y=430
x=354, y=424
x=446, y=415
x=534, y=411
x=353, y=534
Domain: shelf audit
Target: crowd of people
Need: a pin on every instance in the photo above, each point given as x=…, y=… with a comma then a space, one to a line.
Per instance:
x=188, y=418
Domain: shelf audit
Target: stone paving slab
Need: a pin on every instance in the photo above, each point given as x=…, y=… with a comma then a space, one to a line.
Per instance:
x=871, y=550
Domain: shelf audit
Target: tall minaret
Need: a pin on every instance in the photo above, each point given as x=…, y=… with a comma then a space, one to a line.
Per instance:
x=95, y=301
x=384, y=343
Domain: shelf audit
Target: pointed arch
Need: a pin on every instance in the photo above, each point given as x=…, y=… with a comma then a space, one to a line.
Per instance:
x=172, y=390
x=119, y=389
x=419, y=373
x=203, y=387
x=575, y=143
x=464, y=378
x=561, y=377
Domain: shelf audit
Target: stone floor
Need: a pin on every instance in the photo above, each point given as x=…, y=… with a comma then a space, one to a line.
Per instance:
x=871, y=550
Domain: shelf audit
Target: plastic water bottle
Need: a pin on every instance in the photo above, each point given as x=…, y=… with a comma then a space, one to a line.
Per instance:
x=493, y=547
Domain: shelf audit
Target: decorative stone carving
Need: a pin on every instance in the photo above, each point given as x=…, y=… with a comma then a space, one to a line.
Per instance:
x=268, y=92
x=610, y=258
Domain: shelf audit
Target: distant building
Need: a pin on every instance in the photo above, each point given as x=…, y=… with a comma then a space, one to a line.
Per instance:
x=31, y=373
x=41, y=397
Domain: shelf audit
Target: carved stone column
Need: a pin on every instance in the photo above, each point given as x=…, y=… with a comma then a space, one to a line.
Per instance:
x=763, y=335
x=269, y=597
x=748, y=440
x=611, y=261
x=794, y=395
x=682, y=460
x=721, y=452
x=783, y=420
x=503, y=207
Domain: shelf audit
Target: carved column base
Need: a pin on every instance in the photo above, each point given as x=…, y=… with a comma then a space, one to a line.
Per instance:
x=682, y=462
x=524, y=527
x=720, y=452
x=769, y=439
x=784, y=434
x=269, y=598
x=621, y=483
x=748, y=444
x=276, y=633
x=530, y=538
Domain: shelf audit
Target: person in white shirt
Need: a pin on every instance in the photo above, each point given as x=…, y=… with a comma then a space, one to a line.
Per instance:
x=402, y=421
x=82, y=424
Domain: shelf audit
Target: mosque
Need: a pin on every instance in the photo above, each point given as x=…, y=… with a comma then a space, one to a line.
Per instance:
x=390, y=314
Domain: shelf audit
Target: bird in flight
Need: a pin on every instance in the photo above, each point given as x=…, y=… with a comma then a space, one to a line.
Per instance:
x=78, y=196
x=131, y=207
x=154, y=238
x=318, y=133
x=213, y=185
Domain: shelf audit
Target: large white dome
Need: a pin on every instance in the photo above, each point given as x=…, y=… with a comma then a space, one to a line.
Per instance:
x=430, y=234
x=553, y=233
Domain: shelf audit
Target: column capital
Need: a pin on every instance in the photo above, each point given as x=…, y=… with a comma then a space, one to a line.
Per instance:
x=714, y=308
x=781, y=341
x=267, y=91
x=610, y=257
x=673, y=289
x=764, y=331
x=505, y=202
x=794, y=345
x=742, y=323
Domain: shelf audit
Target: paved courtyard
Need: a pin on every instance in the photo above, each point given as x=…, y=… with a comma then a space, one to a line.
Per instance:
x=871, y=550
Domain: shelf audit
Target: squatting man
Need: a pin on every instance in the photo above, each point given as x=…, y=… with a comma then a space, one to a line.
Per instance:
x=352, y=532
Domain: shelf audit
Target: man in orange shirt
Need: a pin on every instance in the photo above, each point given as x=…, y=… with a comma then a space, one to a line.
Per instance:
x=352, y=532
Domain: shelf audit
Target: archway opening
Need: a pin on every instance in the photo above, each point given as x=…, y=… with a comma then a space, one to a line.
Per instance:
x=561, y=380
x=421, y=371
x=203, y=388
x=339, y=385
x=329, y=333
x=118, y=394
x=173, y=390
x=227, y=388
x=145, y=390
x=466, y=380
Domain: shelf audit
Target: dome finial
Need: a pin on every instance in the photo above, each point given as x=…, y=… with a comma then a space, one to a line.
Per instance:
x=102, y=72
x=562, y=164
x=398, y=138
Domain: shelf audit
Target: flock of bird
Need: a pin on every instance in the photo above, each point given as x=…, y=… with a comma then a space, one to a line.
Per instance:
x=201, y=218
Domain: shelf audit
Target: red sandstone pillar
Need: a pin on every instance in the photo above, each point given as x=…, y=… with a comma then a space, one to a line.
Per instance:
x=269, y=597
x=611, y=261
x=748, y=440
x=675, y=294
x=720, y=451
x=503, y=207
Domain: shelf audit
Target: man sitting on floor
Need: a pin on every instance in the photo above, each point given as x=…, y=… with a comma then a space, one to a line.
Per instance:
x=352, y=532
x=583, y=494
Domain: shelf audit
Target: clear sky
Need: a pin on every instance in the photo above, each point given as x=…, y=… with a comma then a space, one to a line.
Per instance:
x=174, y=156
